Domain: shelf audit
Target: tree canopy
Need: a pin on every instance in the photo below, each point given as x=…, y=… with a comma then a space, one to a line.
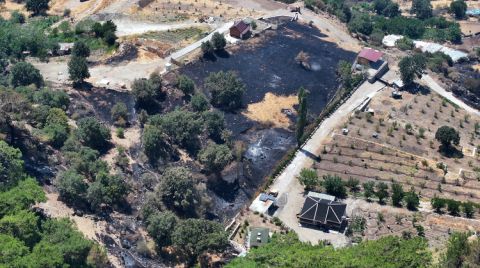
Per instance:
x=447, y=135
x=458, y=8
x=226, y=89
x=287, y=251
x=177, y=189
x=94, y=134
x=24, y=74
x=215, y=157
x=411, y=67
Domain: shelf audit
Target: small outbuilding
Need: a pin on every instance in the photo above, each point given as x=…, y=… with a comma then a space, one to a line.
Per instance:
x=65, y=48
x=240, y=29
x=324, y=213
x=369, y=56
x=372, y=60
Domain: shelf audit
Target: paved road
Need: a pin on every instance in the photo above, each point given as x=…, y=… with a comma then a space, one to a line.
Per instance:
x=449, y=95
x=184, y=51
x=287, y=183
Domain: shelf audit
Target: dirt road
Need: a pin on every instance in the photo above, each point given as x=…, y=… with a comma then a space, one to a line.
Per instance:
x=287, y=184
x=448, y=95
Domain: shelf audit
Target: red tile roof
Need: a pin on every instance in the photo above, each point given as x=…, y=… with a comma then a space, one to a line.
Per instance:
x=241, y=26
x=370, y=54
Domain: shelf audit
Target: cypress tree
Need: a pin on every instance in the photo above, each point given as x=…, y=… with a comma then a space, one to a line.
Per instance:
x=302, y=114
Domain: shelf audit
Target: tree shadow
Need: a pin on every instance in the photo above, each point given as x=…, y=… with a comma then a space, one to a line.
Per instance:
x=417, y=88
x=450, y=151
x=209, y=57
x=222, y=54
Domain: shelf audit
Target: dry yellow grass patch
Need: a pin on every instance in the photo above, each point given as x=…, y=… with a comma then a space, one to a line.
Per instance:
x=9, y=6
x=269, y=110
x=476, y=67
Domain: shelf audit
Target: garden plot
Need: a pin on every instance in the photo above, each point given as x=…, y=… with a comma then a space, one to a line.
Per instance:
x=405, y=150
x=370, y=221
x=171, y=11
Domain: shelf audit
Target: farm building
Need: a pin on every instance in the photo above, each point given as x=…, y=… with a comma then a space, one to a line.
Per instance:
x=240, y=29
x=325, y=213
x=371, y=60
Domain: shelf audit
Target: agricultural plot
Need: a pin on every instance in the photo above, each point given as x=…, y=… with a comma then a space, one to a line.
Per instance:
x=395, y=142
x=171, y=11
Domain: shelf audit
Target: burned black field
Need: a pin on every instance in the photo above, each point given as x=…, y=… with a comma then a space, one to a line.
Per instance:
x=267, y=64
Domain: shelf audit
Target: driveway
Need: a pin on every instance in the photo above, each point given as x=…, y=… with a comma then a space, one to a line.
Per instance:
x=287, y=184
x=448, y=95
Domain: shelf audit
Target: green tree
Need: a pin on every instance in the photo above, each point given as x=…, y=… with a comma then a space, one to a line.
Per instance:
x=422, y=9
x=37, y=7
x=368, y=189
x=334, y=185
x=185, y=84
x=85, y=161
x=468, y=209
x=71, y=186
x=308, y=178
x=381, y=192
x=17, y=17
x=411, y=199
x=24, y=74
x=361, y=23
x=52, y=98
x=438, y=204
x=12, y=250
x=177, y=189
x=285, y=250
x=66, y=240
x=155, y=143
x=119, y=113
x=215, y=157
x=397, y=194
x=459, y=9
x=93, y=133
x=353, y=184
x=183, y=127
x=227, y=90
x=199, y=103
x=446, y=136
x=218, y=41
x=457, y=249
x=56, y=127
x=147, y=91
x=78, y=69
x=22, y=225
x=107, y=189
x=196, y=236
x=160, y=227
x=21, y=197
x=453, y=207
x=214, y=124
x=302, y=115
x=80, y=49
x=207, y=48
x=404, y=43
x=410, y=67
x=11, y=166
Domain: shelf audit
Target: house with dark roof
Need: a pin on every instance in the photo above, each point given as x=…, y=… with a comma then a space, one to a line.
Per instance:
x=240, y=29
x=324, y=213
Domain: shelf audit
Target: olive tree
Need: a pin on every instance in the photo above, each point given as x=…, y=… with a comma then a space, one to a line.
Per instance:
x=226, y=89
x=215, y=157
x=24, y=74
